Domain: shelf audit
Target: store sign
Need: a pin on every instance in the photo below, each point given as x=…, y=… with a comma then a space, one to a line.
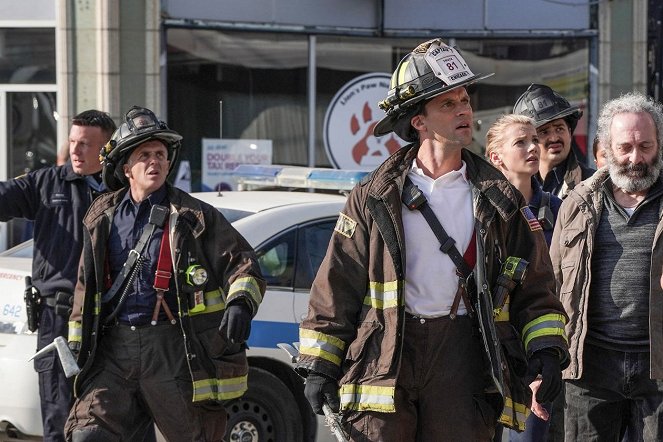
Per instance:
x=221, y=156
x=349, y=122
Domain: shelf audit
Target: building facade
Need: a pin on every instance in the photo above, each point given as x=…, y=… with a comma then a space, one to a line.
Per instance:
x=269, y=69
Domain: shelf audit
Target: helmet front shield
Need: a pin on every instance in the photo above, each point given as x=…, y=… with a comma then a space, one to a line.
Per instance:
x=431, y=69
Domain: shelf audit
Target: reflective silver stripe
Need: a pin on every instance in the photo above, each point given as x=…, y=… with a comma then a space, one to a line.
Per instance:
x=320, y=345
x=382, y=295
x=367, y=398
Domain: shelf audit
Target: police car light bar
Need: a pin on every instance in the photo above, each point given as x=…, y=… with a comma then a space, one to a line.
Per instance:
x=251, y=176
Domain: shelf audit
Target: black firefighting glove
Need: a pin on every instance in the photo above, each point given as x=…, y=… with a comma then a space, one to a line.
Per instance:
x=546, y=363
x=320, y=389
x=237, y=321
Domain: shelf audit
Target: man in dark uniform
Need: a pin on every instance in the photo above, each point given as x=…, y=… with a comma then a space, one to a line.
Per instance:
x=56, y=199
x=555, y=120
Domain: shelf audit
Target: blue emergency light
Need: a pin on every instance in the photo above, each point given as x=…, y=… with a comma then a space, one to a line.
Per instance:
x=298, y=177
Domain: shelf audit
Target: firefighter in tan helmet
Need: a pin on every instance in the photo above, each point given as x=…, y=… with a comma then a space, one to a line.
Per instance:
x=417, y=327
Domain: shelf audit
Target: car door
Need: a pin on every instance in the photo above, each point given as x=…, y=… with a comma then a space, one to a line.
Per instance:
x=289, y=262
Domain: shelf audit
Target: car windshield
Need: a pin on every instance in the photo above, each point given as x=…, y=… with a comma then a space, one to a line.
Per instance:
x=23, y=250
x=233, y=215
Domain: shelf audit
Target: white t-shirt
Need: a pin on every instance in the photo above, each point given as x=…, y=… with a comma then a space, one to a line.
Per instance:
x=431, y=281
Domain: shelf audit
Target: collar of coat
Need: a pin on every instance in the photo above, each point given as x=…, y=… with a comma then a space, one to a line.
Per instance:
x=486, y=179
x=584, y=191
x=189, y=209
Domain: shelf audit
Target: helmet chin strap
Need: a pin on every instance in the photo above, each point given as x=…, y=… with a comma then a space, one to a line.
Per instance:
x=141, y=125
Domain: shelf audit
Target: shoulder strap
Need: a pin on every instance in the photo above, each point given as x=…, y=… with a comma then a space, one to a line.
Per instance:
x=414, y=199
x=158, y=216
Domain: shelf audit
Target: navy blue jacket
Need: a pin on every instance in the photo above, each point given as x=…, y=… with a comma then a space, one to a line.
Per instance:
x=56, y=199
x=535, y=203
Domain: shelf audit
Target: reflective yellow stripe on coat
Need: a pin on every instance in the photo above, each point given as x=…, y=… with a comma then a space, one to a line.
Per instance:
x=219, y=389
x=213, y=303
x=75, y=331
x=547, y=325
x=367, y=398
x=247, y=284
x=320, y=345
x=514, y=415
x=382, y=295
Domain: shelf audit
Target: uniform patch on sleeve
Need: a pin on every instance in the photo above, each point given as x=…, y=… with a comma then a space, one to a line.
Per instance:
x=345, y=225
x=533, y=223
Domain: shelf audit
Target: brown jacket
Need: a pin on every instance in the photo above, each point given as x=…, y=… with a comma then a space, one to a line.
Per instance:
x=571, y=253
x=353, y=331
x=200, y=234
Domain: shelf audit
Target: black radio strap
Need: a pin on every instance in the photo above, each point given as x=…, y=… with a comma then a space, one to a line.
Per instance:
x=158, y=216
x=414, y=199
x=545, y=215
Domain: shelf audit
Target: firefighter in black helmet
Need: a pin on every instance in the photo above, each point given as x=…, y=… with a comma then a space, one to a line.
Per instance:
x=555, y=120
x=166, y=292
x=401, y=335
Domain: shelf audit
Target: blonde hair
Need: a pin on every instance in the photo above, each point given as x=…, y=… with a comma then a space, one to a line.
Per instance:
x=495, y=135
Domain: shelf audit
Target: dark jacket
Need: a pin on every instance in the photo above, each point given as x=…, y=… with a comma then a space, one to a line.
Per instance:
x=566, y=175
x=56, y=199
x=554, y=203
x=198, y=234
x=353, y=331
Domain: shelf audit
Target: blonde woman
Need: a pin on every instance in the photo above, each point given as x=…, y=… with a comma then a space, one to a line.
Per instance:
x=512, y=147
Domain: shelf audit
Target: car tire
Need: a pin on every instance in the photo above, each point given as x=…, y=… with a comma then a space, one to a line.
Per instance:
x=267, y=412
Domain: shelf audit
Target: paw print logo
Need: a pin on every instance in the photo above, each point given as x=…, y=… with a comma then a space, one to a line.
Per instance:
x=369, y=150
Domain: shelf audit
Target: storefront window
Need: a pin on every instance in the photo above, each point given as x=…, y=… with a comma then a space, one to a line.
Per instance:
x=262, y=80
x=31, y=144
x=560, y=64
x=27, y=55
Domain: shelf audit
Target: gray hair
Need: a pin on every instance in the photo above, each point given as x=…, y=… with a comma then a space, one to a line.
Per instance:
x=632, y=102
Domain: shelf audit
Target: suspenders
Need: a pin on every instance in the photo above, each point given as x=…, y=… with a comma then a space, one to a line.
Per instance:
x=162, y=278
x=158, y=218
x=414, y=199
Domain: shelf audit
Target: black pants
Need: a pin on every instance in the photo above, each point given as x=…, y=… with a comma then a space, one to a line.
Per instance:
x=139, y=375
x=439, y=391
x=55, y=390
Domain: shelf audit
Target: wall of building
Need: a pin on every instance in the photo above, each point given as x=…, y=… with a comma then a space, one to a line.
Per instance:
x=622, y=47
x=388, y=17
x=109, y=56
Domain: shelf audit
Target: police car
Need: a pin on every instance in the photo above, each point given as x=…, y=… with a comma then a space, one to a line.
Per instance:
x=290, y=232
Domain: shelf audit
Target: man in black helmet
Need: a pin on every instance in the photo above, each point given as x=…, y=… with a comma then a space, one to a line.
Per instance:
x=56, y=199
x=555, y=120
x=414, y=331
x=166, y=292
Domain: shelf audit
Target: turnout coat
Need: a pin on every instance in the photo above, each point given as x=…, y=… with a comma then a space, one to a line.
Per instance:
x=354, y=328
x=198, y=233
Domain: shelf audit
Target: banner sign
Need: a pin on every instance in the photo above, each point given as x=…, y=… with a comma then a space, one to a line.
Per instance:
x=221, y=156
